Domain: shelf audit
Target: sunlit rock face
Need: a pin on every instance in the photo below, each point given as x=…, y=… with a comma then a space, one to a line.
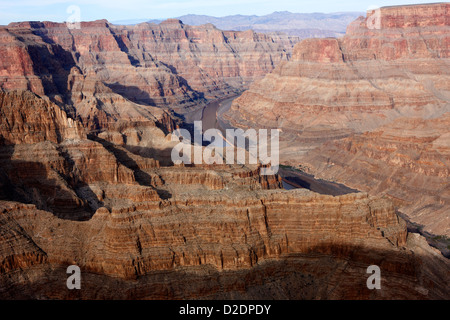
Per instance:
x=385, y=89
x=170, y=64
x=86, y=178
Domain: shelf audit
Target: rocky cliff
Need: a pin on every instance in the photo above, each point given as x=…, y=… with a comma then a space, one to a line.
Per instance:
x=99, y=65
x=246, y=244
x=86, y=179
x=141, y=229
x=394, y=64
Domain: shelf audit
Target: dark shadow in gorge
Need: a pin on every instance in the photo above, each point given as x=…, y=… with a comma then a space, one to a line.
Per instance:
x=164, y=156
x=134, y=94
x=52, y=63
x=143, y=178
x=440, y=242
x=299, y=179
x=324, y=273
x=30, y=182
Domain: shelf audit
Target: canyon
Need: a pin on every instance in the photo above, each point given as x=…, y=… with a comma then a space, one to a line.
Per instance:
x=370, y=110
x=86, y=177
x=166, y=64
x=303, y=25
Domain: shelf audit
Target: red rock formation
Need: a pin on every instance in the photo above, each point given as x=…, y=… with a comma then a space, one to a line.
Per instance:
x=170, y=64
x=104, y=196
x=409, y=160
x=366, y=82
x=141, y=222
x=211, y=60
x=25, y=118
x=322, y=51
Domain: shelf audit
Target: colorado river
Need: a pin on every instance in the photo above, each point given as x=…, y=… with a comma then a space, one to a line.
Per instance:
x=292, y=178
x=213, y=111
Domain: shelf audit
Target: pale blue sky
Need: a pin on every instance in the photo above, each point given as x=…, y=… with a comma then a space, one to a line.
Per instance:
x=56, y=10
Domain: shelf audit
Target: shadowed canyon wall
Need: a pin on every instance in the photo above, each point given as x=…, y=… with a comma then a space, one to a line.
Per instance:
x=376, y=102
x=170, y=64
x=86, y=178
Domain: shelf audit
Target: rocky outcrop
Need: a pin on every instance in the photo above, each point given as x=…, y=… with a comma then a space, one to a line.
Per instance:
x=86, y=179
x=409, y=160
x=134, y=226
x=100, y=68
x=384, y=89
x=26, y=118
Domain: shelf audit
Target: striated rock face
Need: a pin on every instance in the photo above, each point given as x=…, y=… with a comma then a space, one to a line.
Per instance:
x=100, y=65
x=86, y=179
x=385, y=89
x=25, y=118
x=211, y=60
x=408, y=160
x=299, y=240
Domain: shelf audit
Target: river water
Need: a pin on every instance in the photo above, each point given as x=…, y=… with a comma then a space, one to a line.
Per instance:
x=212, y=113
x=211, y=117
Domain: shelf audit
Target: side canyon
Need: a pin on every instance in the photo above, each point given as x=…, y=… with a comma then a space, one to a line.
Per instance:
x=370, y=110
x=86, y=176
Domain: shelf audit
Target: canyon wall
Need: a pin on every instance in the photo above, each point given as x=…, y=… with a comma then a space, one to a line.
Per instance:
x=86, y=177
x=251, y=244
x=384, y=88
x=100, y=65
x=142, y=230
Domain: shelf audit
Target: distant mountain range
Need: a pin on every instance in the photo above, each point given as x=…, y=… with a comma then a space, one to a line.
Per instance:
x=303, y=25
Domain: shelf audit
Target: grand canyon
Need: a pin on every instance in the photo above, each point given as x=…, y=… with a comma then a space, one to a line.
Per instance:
x=87, y=121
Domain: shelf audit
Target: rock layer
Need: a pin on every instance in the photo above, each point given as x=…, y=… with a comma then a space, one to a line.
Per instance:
x=86, y=179
x=389, y=76
x=140, y=230
x=170, y=64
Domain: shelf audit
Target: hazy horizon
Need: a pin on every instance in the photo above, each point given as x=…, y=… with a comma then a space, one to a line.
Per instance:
x=113, y=10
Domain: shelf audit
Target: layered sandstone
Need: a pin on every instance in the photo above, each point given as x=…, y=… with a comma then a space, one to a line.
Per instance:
x=86, y=178
x=409, y=160
x=138, y=229
x=100, y=65
x=394, y=64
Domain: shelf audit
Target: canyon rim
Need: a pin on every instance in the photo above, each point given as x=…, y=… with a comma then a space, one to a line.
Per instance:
x=88, y=114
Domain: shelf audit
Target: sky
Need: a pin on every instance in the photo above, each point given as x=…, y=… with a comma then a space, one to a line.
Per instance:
x=114, y=10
